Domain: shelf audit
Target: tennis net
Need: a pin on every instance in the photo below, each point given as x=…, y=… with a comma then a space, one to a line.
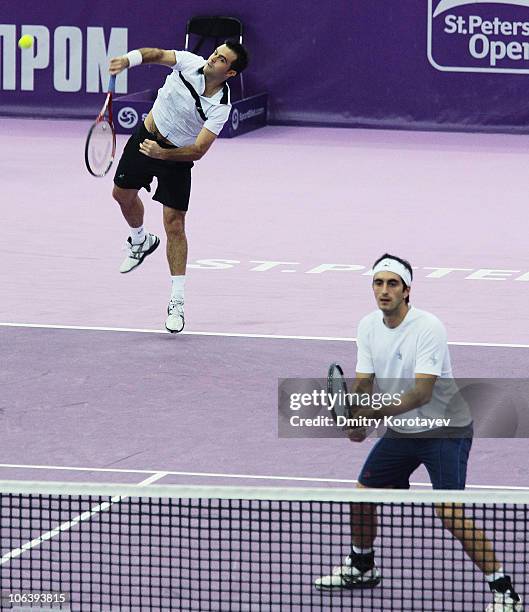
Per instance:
x=122, y=547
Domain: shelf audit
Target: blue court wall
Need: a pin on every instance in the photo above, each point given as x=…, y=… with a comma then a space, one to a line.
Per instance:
x=423, y=64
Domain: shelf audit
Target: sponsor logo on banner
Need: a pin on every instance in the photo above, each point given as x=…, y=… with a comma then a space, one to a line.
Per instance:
x=253, y=112
x=127, y=117
x=235, y=119
x=67, y=59
x=479, y=35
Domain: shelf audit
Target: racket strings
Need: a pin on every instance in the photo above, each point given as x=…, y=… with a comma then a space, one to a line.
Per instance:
x=337, y=391
x=100, y=148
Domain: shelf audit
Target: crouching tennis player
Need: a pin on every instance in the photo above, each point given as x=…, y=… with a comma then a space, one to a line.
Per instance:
x=398, y=342
x=186, y=118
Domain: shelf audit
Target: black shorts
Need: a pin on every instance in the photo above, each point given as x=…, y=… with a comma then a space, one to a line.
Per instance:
x=135, y=170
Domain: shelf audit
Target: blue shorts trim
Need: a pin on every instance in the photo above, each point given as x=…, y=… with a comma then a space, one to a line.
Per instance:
x=392, y=461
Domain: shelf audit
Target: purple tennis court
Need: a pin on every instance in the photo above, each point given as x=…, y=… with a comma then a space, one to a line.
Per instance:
x=268, y=307
x=279, y=277
x=181, y=407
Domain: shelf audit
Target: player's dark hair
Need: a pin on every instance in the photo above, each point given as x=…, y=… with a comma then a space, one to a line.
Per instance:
x=242, y=55
x=404, y=262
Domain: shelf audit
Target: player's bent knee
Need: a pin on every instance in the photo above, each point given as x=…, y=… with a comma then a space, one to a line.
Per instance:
x=174, y=223
x=176, y=231
x=443, y=514
x=117, y=193
x=451, y=515
x=361, y=508
x=124, y=197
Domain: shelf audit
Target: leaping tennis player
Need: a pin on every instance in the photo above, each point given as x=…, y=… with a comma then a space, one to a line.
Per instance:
x=187, y=116
x=398, y=343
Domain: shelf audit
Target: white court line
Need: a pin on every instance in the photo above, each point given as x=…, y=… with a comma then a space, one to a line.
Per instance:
x=85, y=516
x=221, y=475
x=238, y=335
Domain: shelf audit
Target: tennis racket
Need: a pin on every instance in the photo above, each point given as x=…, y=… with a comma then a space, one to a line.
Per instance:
x=100, y=146
x=337, y=390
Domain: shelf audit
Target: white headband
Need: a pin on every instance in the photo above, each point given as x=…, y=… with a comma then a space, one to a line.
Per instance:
x=392, y=265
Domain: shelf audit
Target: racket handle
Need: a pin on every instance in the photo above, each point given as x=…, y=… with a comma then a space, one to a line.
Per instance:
x=112, y=83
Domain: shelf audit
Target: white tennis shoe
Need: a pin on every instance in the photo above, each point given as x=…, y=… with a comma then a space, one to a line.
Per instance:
x=136, y=253
x=505, y=597
x=175, y=316
x=347, y=576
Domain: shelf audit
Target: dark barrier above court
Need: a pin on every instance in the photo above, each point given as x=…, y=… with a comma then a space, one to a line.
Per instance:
x=441, y=64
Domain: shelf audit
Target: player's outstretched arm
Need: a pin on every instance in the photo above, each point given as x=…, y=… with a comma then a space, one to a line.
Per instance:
x=145, y=55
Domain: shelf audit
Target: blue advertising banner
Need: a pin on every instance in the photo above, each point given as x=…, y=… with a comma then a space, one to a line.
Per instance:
x=427, y=64
x=246, y=115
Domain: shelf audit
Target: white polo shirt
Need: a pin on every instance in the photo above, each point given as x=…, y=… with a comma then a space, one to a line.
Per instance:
x=174, y=109
x=417, y=346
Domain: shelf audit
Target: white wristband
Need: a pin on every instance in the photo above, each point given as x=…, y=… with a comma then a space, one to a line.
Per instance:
x=135, y=58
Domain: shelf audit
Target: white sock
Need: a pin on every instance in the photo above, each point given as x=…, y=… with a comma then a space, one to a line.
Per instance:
x=137, y=234
x=177, y=287
x=362, y=551
x=498, y=574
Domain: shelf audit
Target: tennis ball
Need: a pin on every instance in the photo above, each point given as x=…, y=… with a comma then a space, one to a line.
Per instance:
x=26, y=41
